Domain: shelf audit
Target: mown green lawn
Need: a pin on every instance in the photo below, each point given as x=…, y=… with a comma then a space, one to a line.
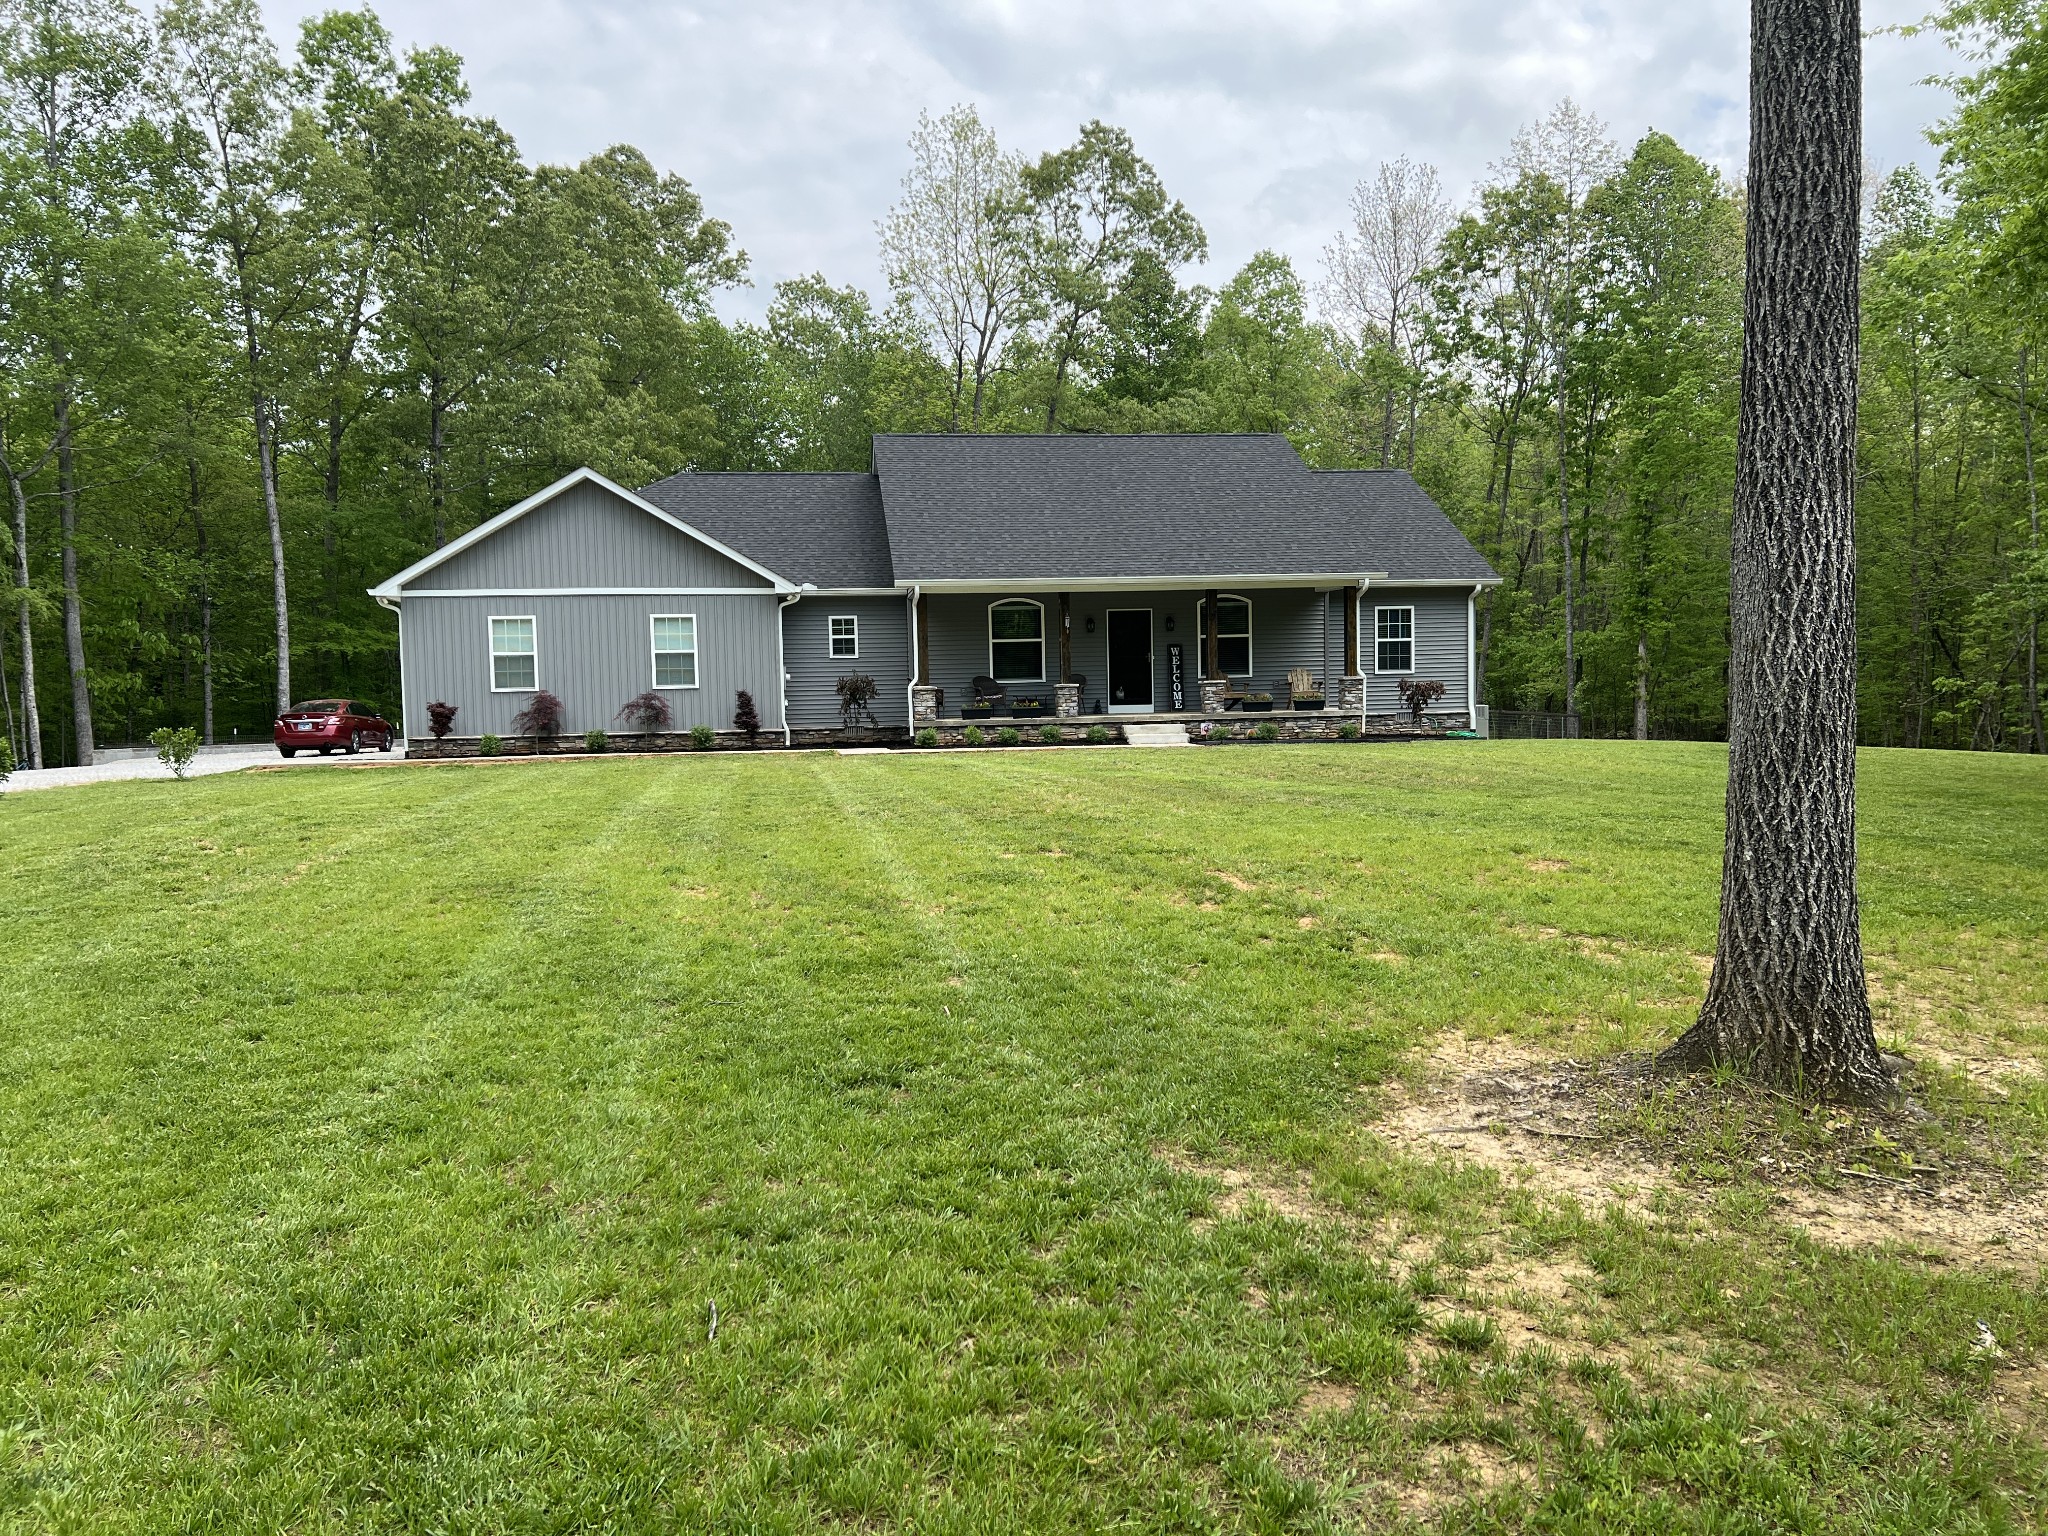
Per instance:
x=375, y=1147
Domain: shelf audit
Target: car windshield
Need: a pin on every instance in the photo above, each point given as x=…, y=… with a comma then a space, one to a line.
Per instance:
x=320, y=707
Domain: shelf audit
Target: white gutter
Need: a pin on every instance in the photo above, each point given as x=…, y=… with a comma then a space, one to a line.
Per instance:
x=1472, y=655
x=392, y=604
x=911, y=692
x=781, y=668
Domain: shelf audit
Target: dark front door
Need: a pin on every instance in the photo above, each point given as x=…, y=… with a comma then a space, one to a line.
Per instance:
x=1130, y=660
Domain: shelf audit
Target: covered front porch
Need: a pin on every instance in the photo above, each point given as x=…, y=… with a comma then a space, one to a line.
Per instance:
x=1021, y=655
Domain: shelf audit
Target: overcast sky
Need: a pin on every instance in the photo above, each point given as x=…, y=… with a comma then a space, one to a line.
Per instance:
x=790, y=118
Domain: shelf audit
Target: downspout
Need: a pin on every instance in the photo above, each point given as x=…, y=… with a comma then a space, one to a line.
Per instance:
x=910, y=689
x=404, y=704
x=1472, y=658
x=781, y=664
x=1358, y=629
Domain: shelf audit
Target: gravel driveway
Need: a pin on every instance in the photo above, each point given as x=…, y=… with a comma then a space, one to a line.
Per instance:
x=230, y=760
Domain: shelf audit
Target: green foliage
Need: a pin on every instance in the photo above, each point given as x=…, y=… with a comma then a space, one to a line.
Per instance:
x=973, y=736
x=703, y=737
x=927, y=737
x=176, y=746
x=1049, y=733
x=1349, y=731
x=595, y=740
x=1098, y=734
x=489, y=745
x=1266, y=730
x=7, y=763
x=1009, y=736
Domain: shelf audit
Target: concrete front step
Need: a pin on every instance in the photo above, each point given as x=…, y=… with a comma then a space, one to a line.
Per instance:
x=1156, y=735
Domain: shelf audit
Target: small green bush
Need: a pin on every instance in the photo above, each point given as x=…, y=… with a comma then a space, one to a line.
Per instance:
x=175, y=748
x=6, y=758
x=1049, y=733
x=1348, y=731
x=1267, y=731
x=927, y=737
x=1098, y=734
x=1009, y=736
x=489, y=746
x=595, y=740
x=973, y=736
x=702, y=737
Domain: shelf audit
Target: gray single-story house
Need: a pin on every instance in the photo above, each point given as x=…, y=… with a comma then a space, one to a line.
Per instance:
x=1078, y=578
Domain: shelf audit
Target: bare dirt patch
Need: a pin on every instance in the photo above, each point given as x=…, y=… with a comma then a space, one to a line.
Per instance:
x=1606, y=1133
x=1547, y=866
x=1327, y=1397
x=1235, y=882
x=1247, y=1191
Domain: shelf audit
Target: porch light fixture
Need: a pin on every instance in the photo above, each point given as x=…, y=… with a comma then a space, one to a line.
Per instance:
x=1091, y=623
x=1169, y=623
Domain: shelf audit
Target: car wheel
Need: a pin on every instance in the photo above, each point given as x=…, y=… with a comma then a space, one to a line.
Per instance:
x=289, y=751
x=387, y=743
x=355, y=742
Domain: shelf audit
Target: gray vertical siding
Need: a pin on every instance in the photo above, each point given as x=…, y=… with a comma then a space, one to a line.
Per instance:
x=1442, y=645
x=594, y=653
x=1291, y=627
x=587, y=537
x=814, y=674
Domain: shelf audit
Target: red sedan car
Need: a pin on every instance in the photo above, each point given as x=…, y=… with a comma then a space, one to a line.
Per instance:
x=328, y=725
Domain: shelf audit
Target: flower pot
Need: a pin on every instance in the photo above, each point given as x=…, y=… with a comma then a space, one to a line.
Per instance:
x=977, y=711
x=1258, y=706
x=1308, y=702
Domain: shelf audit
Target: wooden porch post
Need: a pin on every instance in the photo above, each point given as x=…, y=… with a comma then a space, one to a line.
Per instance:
x=1212, y=665
x=1066, y=637
x=1351, y=600
x=924, y=637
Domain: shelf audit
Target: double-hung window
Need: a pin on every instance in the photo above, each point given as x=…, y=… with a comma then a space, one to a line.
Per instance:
x=515, y=666
x=1016, y=641
x=1233, y=633
x=675, y=650
x=1394, y=640
x=845, y=642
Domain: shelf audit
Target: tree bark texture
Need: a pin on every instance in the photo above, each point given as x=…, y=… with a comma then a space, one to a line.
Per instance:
x=1788, y=1002
x=74, y=617
x=32, y=723
x=2039, y=742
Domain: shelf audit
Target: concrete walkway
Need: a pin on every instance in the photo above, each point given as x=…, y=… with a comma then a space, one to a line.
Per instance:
x=231, y=760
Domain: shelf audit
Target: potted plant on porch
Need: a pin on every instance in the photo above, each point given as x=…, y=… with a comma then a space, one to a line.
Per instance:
x=1257, y=703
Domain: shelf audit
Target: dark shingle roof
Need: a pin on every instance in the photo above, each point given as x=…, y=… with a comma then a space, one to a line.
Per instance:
x=821, y=529
x=1081, y=507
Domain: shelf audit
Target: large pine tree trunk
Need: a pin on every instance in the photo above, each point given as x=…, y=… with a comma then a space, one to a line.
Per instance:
x=1787, y=1002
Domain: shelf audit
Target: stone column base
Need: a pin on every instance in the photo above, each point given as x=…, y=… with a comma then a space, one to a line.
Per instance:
x=1213, y=689
x=1351, y=695
x=925, y=701
x=1066, y=698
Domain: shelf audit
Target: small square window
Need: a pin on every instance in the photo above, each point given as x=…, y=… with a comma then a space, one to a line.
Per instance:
x=675, y=650
x=1395, y=640
x=845, y=637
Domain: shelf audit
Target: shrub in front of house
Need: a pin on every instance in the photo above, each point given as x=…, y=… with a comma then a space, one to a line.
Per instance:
x=489, y=746
x=541, y=718
x=1009, y=736
x=1349, y=731
x=973, y=736
x=1267, y=731
x=927, y=737
x=1418, y=693
x=745, y=717
x=646, y=712
x=1098, y=734
x=857, y=693
x=702, y=737
x=175, y=747
x=595, y=740
x=1049, y=734
x=440, y=718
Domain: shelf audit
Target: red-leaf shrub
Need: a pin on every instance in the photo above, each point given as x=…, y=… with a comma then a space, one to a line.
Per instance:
x=856, y=696
x=440, y=718
x=744, y=716
x=647, y=712
x=541, y=717
x=1418, y=693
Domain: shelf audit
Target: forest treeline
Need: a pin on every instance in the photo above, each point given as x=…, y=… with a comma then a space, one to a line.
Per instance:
x=272, y=327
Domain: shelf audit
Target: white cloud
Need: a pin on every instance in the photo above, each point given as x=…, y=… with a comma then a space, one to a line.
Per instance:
x=790, y=117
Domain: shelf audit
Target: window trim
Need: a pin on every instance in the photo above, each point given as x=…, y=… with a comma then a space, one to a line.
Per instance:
x=1016, y=602
x=1202, y=630
x=832, y=639
x=491, y=623
x=1378, y=640
x=655, y=653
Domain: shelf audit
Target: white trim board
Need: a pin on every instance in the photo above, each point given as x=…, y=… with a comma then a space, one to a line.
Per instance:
x=394, y=586
x=591, y=592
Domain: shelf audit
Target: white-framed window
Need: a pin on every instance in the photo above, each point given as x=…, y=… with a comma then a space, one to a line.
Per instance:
x=675, y=649
x=1016, y=641
x=1393, y=640
x=1233, y=632
x=844, y=644
x=515, y=658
